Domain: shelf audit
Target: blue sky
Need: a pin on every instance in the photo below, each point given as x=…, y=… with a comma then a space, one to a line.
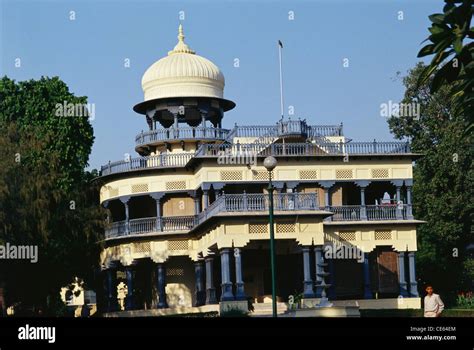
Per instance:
x=88, y=53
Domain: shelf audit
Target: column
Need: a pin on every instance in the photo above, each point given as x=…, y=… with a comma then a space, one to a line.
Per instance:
x=111, y=289
x=200, y=293
x=367, y=288
x=239, y=283
x=205, y=199
x=413, y=283
x=197, y=204
x=129, y=302
x=318, y=256
x=399, y=212
x=362, y=186
x=161, y=285
x=226, y=284
x=210, y=290
x=326, y=197
x=157, y=197
x=326, y=185
x=127, y=219
x=308, y=291
x=401, y=274
x=409, y=205
x=363, y=211
x=244, y=201
x=125, y=200
x=327, y=203
x=175, y=123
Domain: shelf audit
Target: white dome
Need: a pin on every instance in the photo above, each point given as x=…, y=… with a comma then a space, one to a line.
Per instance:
x=182, y=74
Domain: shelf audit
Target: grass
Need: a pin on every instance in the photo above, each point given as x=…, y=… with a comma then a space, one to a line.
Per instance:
x=414, y=313
x=196, y=315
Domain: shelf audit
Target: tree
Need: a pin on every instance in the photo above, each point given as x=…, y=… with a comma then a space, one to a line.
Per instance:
x=46, y=197
x=453, y=61
x=35, y=103
x=443, y=182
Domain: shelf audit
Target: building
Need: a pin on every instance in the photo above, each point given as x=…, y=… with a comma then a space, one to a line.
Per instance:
x=189, y=216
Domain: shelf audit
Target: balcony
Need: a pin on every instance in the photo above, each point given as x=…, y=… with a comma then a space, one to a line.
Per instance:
x=288, y=128
x=257, y=203
x=305, y=149
x=177, y=160
x=182, y=133
x=150, y=225
x=260, y=149
x=370, y=212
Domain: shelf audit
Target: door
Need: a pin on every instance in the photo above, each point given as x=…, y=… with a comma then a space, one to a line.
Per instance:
x=387, y=263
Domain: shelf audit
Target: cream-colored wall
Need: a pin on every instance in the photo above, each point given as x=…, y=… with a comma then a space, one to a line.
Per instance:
x=403, y=238
x=175, y=148
x=336, y=195
x=307, y=188
x=181, y=205
x=304, y=230
x=287, y=170
x=180, y=282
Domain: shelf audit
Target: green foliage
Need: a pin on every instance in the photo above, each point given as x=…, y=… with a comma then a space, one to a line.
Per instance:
x=209, y=314
x=297, y=297
x=234, y=312
x=413, y=313
x=443, y=183
x=453, y=61
x=55, y=306
x=46, y=197
x=32, y=105
x=465, y=301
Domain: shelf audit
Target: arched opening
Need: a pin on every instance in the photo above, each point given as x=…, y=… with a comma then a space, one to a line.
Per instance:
x=374, y=193
x=117, y=210
x=141, y=207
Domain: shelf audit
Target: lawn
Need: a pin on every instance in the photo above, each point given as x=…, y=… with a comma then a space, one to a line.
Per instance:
x=414, y=313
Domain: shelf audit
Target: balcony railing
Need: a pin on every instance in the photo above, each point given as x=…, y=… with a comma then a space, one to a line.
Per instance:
x=260, y=202
x=177, y=223
x=144, y=225
x=259, y=149
x=116, y=229
x=345, y=213
x=303, y=149
x=370, y=212
x=182, y=133
x=160, y=161
x=257, y=203
x=150, y=225
x=289, y=127
x=384, y=212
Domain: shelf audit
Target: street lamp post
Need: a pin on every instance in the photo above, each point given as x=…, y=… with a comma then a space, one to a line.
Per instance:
x=270, y=163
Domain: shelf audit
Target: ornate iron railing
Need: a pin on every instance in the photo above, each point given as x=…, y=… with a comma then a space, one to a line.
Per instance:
x=150, y=225
x=289, y=127
x=160, y=161
x=181, y=133
x=370, y=212
x=177, y=223
x=244, y=203
x=383, y=212
x=303, y=149
x=142, y=225
x=345, y=213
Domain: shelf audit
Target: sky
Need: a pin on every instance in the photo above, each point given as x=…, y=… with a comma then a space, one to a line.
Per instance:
x=87, y=44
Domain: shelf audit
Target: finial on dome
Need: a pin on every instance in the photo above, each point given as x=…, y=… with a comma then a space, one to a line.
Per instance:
x=180, y=33
x=181, y=47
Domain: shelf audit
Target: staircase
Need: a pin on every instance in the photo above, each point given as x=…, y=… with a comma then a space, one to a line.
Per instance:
x=265, y=309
